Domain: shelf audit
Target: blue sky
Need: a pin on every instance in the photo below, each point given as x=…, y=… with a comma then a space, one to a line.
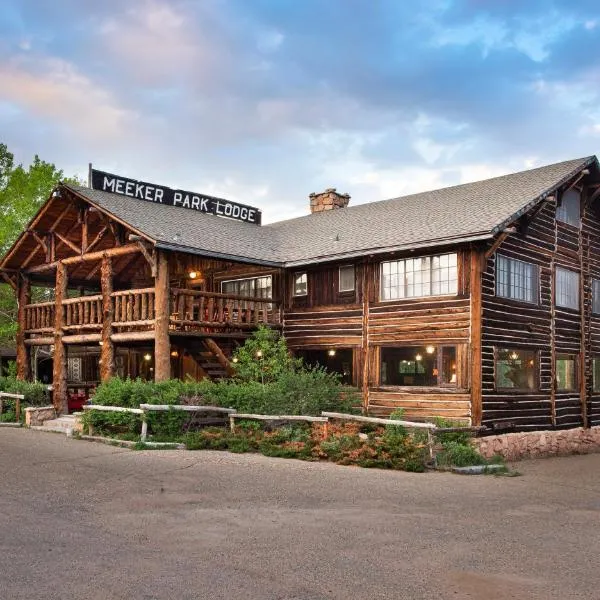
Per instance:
x=265, y=101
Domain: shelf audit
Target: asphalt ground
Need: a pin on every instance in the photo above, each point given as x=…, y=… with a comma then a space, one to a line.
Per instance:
x=84, y=520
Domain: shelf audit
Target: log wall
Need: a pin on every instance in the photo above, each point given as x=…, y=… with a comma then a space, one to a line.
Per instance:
x=544, y=327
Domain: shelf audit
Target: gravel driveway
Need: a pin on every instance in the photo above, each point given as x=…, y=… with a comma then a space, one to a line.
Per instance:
x=82, y=520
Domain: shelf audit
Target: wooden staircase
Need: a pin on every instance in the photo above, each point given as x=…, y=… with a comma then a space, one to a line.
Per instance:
x=213, y=358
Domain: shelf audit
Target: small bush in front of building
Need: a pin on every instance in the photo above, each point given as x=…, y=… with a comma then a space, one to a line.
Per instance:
x=36, y=394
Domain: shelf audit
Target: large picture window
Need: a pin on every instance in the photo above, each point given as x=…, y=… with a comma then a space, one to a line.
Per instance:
x=516, y=369
x=567, y=288
x=516, y=279
x=418, y=277
x=254, y=287
x=568, y=210
x=424, y=366
x=566, y=372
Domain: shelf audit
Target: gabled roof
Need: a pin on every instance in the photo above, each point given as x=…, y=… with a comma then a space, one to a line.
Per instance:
x=455, y=214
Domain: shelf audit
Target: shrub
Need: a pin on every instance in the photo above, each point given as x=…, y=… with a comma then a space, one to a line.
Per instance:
x=36, y=394
x=459, y=455
x=115, y=424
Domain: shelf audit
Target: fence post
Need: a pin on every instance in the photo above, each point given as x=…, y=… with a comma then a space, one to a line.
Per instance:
x=232, y=423
x=144, y=433
x=18, y=409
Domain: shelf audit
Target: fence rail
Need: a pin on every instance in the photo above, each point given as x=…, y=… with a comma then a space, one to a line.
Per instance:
x=17, y=398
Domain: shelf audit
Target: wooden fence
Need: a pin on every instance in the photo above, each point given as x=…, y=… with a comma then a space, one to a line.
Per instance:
x=17, y=398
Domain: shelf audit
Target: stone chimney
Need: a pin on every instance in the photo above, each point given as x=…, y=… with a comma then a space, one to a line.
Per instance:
x=328, y=200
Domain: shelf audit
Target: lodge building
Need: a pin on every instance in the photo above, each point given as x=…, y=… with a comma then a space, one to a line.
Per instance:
x=478, y=302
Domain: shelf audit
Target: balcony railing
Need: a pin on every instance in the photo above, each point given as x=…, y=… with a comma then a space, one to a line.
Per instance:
x=134, y=310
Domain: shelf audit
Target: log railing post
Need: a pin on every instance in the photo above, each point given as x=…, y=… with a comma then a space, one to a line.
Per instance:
x=23, y=298
x=107, y=352
x=59, y=381
x=162, y=354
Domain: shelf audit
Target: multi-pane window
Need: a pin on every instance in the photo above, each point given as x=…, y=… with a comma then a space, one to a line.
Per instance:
x=516, y=279
x=255, y=287
x=596, y=296
x=417, y=277
x=423, y=366
x=566, y=372
x=516, y=369
x=596, y=374
x=300, y=284
x=567, y=288
x=346, y=275
x=568, y=210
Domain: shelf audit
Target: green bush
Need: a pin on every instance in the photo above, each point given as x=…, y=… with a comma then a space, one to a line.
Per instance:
x=36, y=394
x=459, y=455
x=113, y=424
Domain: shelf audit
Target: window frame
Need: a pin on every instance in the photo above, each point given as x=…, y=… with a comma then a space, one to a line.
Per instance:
x=295, y=277
x=595, y=382
x=240, y=279
x=439, y=365
x=576, y=375
x=430, y=282
x=595, y=293
x=535, y=286
x=558, y=268
x=536, y=374
x=347, y=290
x=562, y=213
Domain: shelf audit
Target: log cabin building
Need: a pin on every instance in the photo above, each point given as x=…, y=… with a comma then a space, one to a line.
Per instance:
x=478, y=302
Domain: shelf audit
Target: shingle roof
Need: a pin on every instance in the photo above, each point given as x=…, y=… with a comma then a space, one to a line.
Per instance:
x=459, y=213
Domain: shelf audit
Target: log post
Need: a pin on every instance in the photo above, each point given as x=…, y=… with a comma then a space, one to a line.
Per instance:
x=162, y=354
x=59, y=379
x=475, y=284
x=23, y=351
x=367, y=273
x=107, y=351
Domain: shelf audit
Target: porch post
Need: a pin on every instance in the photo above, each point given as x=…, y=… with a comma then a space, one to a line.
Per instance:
x=107, y=351
x=23, y=354
x=162, y=355
x=59, y=378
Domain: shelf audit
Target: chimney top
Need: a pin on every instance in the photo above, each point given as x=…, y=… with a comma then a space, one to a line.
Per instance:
x=328, y=200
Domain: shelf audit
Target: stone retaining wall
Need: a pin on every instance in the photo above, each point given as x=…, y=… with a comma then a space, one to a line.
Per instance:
x=36, y=415
x=534, y=444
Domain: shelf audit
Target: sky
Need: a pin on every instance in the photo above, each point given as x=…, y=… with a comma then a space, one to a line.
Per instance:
x=266, y=101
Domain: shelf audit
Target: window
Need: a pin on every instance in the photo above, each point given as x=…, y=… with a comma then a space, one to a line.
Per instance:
x=567, y=288
x=346, y=275
x=568, y=209
x=596, y=374
x=596, y=296
x=516, y=279
x=416, y=277
x=516, y=369
x=300, y=284
x=424, y=366
x=566, y=372
x=334, y=360
x=255, y=287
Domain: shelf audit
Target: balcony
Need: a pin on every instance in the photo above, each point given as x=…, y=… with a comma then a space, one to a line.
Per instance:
x=191, y=312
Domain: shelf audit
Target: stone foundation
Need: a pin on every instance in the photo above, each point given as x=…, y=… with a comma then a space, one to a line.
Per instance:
x=535, y=444
x=36, y=415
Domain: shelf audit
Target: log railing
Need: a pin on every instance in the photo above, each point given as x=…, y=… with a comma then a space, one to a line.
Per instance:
x=189, y=310
x=83, y=312
x=39, y=317
x=192, y=309
x=133, y=307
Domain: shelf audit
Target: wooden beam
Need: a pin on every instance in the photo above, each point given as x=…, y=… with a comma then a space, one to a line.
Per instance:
x=68, y=243
x=162, y=346
x=93, y=272
x=59, y=380
x=39, y=240
x=9, y=280
x=366, y=290
x=23, y=298
x=497, y=243
x=98, y=237
x=30, y=256
x=107, y=352
x=84, y=230
x=475, y=289
x=151, y=258
x=90, y=257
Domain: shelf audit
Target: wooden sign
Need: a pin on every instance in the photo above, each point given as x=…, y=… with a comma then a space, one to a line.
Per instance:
x=150, y=192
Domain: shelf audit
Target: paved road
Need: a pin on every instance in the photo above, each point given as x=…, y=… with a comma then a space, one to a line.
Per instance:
x=82, y=520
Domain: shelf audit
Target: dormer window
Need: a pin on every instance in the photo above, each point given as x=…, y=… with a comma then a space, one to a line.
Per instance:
x=568, y=210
